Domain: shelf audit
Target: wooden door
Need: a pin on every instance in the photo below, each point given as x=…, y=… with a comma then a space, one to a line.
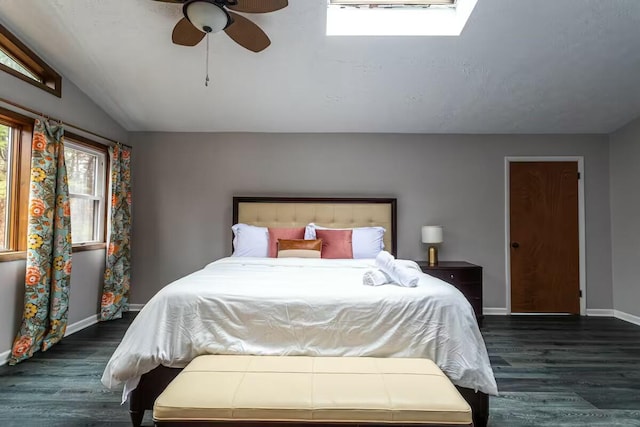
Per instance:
x=545, y=272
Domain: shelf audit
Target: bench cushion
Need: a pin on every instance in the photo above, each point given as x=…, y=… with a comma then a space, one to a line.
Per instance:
x=312, y=389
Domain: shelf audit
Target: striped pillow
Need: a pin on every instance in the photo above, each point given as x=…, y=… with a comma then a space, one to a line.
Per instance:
x=299, y=248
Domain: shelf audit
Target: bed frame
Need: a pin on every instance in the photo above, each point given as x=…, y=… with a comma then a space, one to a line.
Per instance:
x=295, y=212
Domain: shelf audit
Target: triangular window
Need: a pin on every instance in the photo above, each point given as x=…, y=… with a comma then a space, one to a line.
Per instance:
x=21, y=62
x=10, y=62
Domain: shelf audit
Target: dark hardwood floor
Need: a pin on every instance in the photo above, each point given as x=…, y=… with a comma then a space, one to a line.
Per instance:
x=551, y=372
x=564, y=371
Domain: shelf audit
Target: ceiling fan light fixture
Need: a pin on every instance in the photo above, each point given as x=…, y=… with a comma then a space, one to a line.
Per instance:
x=206, y=16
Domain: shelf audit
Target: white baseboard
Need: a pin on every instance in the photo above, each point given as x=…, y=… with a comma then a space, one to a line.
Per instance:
x=594, y=312
x=494, y=311
x=4, y=357
x=81, y=324
x=135, y=307
x=627, y=317
x=71, y=329
x=540, y=314
x=600, y=312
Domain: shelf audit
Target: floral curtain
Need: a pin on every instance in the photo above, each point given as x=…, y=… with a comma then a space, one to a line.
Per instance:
x=46, y=299
x=117, y=273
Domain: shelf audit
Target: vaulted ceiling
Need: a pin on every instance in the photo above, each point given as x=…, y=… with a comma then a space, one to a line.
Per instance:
x=564, y=66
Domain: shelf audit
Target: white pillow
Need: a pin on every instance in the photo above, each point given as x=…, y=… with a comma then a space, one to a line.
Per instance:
x=250, y=241
x=366, y=242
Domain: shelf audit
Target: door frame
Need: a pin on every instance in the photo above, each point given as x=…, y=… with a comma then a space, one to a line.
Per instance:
x=581, y=222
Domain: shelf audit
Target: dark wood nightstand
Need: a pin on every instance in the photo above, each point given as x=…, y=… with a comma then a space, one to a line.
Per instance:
x=465, y=276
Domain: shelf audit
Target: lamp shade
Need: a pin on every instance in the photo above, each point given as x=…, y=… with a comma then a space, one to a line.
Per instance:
x=206, y=16
x=432, y=234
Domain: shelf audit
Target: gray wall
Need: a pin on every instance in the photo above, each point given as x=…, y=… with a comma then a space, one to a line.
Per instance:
x=625, y=217
x=184, y=182
x=84, y=299
x=74, y=106
x=88, y=267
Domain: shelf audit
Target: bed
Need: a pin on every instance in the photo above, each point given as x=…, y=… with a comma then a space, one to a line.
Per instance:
x=301, y=307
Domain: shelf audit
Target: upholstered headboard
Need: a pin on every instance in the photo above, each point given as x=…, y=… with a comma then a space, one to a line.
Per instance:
x=328, y=212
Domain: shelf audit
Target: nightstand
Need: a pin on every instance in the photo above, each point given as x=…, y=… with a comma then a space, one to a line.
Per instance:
x=466, y=277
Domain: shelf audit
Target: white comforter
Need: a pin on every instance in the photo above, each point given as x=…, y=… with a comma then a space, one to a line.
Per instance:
x=293, y=306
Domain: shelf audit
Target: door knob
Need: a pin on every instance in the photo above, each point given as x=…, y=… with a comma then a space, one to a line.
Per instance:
x=515, y=245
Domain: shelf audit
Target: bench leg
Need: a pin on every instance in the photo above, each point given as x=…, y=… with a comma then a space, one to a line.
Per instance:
x=479, y=403
x=136, y=417
x=149, y=388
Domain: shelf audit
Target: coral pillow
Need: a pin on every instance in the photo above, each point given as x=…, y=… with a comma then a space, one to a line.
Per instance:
x=336, y=243
x=367, y=242
x=284, y=234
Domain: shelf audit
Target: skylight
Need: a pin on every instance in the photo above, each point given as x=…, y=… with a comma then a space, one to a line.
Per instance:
x=398, y=17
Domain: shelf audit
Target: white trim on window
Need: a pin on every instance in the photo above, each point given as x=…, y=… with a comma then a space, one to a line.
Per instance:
x=98, y=195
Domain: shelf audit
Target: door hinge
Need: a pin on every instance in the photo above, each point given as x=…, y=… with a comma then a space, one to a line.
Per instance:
x=578, y=175
x=580, y=293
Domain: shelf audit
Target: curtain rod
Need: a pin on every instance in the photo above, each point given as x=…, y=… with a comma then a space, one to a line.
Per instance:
x=37, y=113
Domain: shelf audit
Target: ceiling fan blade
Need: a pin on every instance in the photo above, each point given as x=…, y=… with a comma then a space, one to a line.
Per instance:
x=185, y=34
x=258, y=6
x=247, y=34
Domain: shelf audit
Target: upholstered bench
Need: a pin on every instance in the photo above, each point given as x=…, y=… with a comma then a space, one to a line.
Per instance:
x=290, y=390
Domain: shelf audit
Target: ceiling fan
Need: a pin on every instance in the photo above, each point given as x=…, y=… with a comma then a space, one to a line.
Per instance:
x=202, y=17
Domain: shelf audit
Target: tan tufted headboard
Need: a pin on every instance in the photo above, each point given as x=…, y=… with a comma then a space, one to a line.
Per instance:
x=328, y=212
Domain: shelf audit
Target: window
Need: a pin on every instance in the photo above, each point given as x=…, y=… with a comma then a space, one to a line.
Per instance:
x=7, y=60
x=398, y=17
x=21, y=62
x=86, y=170
x=6, y=136
x=15, y=152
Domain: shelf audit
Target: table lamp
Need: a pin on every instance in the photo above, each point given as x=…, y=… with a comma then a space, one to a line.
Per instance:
x=432, y=234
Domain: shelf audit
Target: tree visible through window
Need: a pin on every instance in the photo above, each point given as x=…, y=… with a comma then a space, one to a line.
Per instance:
x=86, y=174
x=15, y=152
x=5, y=188
x=87, y=177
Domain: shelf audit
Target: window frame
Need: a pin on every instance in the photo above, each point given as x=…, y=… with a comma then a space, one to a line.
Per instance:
x=20, y=165
x=19, y=188
x=90, y=145
x=51, y=80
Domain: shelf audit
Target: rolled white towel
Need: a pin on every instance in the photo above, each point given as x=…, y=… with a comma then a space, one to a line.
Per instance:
x=400, y=274
x=376, y=278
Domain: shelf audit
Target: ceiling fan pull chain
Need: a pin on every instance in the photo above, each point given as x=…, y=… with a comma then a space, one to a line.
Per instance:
x=206, y=80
